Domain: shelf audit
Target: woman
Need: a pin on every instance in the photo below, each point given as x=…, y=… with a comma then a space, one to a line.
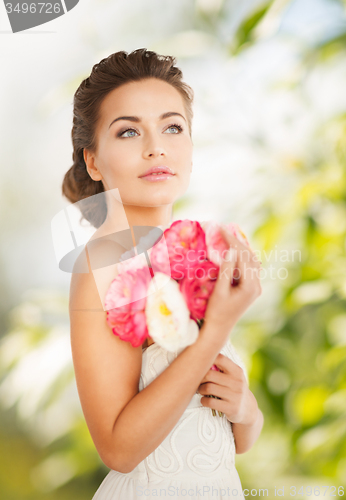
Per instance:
x=147, y=410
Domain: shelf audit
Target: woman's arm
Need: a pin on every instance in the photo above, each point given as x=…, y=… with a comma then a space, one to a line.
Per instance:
x=245, y=435
x=127, y=425
x=152, y=413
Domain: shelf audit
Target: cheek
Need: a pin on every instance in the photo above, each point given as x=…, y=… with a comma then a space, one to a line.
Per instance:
x=119, y=162
x=183, y=152
x=184, y=177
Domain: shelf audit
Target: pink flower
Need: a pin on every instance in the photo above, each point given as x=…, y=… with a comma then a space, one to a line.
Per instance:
x=125, y=304
x=132, y=263
x=197, y=286
x=238, y=233
x=214, y=367
x=216, y=245
x=181, y=247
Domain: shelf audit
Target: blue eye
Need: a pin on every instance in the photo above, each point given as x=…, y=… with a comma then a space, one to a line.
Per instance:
x=177, y=127
x=121, y=134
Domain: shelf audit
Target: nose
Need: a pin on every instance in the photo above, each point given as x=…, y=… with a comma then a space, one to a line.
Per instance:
x=153, y=147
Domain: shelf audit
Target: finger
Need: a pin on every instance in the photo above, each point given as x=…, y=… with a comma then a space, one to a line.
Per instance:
x=252, y=275
x=246, y=272
x=245, y=253
x=227, y=365
x=255, y=258
x=224, y=363
x=215, y=404
x=239, y=268
x=226, y=271
x=212, y=376
x=231, y=239
x=249, y=268
x=218, y=378
x=217, y=390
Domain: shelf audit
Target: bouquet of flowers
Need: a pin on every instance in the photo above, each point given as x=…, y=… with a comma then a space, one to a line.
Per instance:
x=167, y=302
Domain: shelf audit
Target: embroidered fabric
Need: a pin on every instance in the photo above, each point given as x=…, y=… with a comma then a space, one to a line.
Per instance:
x=197, y=457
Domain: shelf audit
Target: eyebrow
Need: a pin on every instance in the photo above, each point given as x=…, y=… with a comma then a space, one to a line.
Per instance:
x=137, y=119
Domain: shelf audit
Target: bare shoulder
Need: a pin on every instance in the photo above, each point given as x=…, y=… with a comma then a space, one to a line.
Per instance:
x=93, y=270
x=107, y=369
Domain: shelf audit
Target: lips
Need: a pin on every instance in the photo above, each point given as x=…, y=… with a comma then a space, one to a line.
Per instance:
x=159, y=169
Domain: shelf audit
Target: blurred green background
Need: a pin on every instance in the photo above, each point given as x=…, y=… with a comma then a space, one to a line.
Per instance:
x=270, y=154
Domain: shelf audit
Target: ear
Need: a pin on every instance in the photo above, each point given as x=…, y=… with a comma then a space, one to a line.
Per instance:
x=91, y=167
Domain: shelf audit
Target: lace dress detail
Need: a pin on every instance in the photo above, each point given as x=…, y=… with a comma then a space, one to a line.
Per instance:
x=198, y=455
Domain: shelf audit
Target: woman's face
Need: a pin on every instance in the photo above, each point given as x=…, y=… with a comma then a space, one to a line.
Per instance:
x=133, y=135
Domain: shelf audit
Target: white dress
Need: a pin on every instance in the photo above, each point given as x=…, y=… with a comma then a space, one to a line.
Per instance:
x=197, y=458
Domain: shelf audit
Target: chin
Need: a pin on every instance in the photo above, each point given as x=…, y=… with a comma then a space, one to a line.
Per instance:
x=157, y=201
x=160, y=196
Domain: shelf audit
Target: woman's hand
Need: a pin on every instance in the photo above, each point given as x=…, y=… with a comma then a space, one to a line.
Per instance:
x=236, y=401
x=237, y=286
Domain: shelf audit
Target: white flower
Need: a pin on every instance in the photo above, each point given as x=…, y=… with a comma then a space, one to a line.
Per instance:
x=167, y=315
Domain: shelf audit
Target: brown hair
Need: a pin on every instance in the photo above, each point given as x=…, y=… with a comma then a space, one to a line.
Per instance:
x=111, y=72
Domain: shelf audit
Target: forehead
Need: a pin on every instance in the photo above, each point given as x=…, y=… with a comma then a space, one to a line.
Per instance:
x=147, y=98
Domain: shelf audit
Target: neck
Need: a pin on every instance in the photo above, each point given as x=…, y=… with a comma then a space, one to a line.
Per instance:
x=121, y=216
